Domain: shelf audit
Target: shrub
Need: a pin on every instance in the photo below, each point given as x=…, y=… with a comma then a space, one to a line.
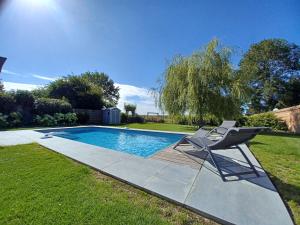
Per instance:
x=3, y=121
x=60, y=118
x=131, y=119
x=211, y=120
x=266, y=120
x=83, y=117
x=135, y=119
x=45, y=120
x=180, y=119
x=51, y=106
x=242, y=121
x=70, y=118
x=124, y=118
x=7, y=103
x=57, y=119
x=15, y=119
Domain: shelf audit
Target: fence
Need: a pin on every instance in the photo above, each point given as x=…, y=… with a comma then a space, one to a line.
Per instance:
x=291, y=116
x=95, y=116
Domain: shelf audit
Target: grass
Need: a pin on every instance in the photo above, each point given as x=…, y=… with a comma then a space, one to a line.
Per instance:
x=280, y=157
x=39, y=186
x=162, y=126
x=279, y=154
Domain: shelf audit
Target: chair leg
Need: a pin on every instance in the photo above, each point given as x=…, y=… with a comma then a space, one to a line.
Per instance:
x=213, y=158
x=211, y=154
x=248, y=161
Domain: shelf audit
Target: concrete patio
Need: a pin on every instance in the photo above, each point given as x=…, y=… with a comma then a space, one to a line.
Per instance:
x=192, y=182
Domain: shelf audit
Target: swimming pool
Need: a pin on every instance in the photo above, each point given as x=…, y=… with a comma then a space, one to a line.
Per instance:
x=141, y=143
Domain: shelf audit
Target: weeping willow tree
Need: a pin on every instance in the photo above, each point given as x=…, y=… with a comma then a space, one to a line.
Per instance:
x=203, y=84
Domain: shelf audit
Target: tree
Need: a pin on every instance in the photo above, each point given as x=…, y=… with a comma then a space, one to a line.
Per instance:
x=292, y=96
x=1, y=87
x=41, y=92
x=203, y=84
x=110, y=92
x=24, y=99
x=272, y=66
x=130, y=108
x=80, y=92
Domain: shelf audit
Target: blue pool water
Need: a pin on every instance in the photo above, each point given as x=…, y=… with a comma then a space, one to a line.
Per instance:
x=141, y=143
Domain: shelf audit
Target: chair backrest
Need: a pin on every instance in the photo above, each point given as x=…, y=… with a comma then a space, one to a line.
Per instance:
x=235, y=136
x=222, y=129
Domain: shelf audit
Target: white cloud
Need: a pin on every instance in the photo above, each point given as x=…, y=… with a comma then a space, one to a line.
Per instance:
x=44, y=77
x=10, y=72
x=136, y=95
x=128, y=93
x=8, y=86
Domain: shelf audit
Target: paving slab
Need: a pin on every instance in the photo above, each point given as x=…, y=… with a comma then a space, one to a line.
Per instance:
x=8, y=138
x=91, y=155
x=136, y=170
x=173, y=182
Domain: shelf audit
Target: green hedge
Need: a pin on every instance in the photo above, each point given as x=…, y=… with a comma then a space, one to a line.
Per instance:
x=14, y=119
x=7, y=103
x=51, y=106
x=131, y=119
x=58, y=119
x=266, y=120
x=3, y=121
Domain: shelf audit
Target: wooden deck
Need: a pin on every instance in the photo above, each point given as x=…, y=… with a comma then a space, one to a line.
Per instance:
x=194, y=159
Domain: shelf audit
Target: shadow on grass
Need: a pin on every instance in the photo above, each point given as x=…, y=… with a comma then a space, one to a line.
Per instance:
x=281, y=134
x=256, y=143
x=288, y=192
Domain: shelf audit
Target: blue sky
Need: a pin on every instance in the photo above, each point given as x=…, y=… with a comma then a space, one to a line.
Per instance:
x=131, y=41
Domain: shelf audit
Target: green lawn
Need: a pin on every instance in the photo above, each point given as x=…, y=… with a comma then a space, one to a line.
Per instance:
x=162, y=126
x=39, y=186
x=280, y=157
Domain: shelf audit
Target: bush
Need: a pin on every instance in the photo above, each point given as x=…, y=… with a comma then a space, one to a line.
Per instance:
x=45, y=120
x=180, y=119
x=57, y=119
x=3, y=121
x=51, y=106
x=65, y=119
x=211, y=120
x=60, y=118
x=266, y=120
x=135, y=119
x=83, y=117
x=242, y=121
x=15, y=119
x=70, y=118
x=7, y=103
x=124, y=118
x=131, y=119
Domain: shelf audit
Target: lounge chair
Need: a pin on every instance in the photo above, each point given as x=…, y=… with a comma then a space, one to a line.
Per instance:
x=233, y=137
x=218, y=131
